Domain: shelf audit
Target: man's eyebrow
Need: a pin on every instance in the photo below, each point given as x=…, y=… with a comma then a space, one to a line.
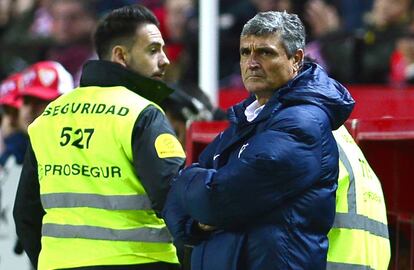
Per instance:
x=258, y=48
x=155, y=43
x=261, y=46
x=265, y=48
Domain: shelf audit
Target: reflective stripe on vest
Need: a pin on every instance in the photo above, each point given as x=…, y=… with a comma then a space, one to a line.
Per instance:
x=360, y=222
x=153, y=235
x=351, y=190
x=110, y=202
x=352, y=220
x=348, y=266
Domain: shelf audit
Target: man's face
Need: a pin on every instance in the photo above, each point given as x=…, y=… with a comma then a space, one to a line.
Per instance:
x=264, y=64
x=71, y=22
x=146, y=56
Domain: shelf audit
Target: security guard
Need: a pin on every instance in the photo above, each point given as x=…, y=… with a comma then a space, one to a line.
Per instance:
x=97, y=171
x=359, y=237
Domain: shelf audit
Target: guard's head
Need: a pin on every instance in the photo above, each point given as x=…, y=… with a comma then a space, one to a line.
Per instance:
x=130, y=36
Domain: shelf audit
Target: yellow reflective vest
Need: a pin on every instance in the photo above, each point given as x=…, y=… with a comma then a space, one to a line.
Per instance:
x=97, y=211
x=359, y=237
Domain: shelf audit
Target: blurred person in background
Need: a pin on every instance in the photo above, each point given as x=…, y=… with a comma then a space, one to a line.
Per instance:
x=174, y=17
x=14, y=141
x=402, y=58
x=181, y=109
x=112, y=153
x=30, y=17
x=38, y=85
x=364, y=54
x=187, y=104
x=25, y=35
x=42, y=83
x=73, y=22
x=402, y=62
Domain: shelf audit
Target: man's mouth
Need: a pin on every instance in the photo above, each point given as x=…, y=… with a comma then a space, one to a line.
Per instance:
x=254, y=76
x=158, y=75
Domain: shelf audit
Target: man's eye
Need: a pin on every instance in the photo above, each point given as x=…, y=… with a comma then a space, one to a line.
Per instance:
x=266, y=52
x=153, y=50
x=244, y=52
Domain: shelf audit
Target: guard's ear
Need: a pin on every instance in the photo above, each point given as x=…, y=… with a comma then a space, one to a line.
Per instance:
x=119, y=55
x=298, y=59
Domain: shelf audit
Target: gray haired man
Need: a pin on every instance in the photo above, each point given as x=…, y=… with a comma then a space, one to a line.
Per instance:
x=263, y=193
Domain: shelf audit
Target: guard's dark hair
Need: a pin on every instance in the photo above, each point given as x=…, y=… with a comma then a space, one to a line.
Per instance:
x=119, y=27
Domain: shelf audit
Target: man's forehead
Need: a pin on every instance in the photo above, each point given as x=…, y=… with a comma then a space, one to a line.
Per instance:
x=260, y=40
x=149, y=33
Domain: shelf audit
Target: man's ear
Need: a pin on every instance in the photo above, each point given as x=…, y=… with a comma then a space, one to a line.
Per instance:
x=298, y=59
x=119, y=55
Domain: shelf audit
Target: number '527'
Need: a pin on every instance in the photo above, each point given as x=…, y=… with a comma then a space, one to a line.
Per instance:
x=79, y=138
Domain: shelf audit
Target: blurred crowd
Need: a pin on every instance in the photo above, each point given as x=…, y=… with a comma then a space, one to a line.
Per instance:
x=356, y=41
x=44, y=44
x=23, y=97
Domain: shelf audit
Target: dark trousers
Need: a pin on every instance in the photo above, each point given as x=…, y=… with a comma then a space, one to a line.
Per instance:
x=147, y=266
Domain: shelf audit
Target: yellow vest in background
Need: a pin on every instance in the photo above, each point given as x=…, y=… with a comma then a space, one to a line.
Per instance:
x=97, y=211
x=359, y=237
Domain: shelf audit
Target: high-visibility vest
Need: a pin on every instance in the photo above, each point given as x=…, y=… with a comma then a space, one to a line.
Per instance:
x=97, y=211
x=359, y=237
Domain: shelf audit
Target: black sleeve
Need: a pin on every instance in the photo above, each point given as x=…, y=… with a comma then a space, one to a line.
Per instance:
x=28, y=211
x=154, y=172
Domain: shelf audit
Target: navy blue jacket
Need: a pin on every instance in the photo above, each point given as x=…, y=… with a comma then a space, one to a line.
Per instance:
x=267, y=185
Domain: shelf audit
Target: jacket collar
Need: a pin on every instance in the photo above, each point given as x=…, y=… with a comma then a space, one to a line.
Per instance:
x=236, y=113
x=107, y=74
x=311, y=86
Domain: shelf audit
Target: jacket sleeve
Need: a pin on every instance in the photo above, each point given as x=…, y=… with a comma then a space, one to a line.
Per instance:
x=277, y=164
x=181, y=225
x=155, y=172
x=28, y=211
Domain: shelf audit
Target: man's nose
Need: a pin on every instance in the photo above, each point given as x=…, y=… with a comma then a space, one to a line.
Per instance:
x=163, y=61
x=252, y=62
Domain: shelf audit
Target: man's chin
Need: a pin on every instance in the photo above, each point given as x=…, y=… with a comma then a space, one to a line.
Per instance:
x=158, y=78
x=256, y=87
